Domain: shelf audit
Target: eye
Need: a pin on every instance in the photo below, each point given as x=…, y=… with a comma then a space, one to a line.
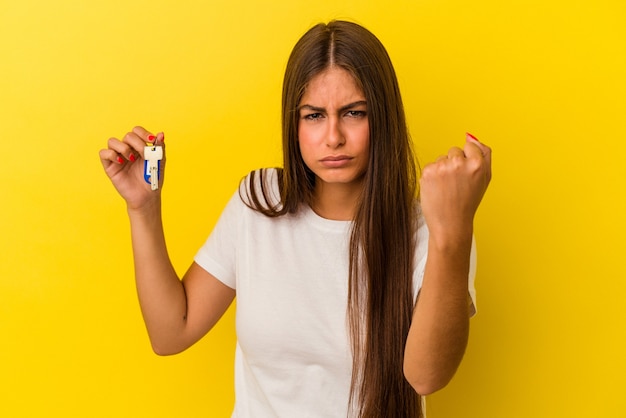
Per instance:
x=312, y=116
x=356, y=113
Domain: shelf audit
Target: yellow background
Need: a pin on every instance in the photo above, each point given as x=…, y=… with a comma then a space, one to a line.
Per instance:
x=542, y=82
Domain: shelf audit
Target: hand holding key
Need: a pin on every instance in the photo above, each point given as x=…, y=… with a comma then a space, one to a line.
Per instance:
x=135, y=165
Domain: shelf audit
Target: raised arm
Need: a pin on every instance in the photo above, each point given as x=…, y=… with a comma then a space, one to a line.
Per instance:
x=451, y=189
x=176, y=313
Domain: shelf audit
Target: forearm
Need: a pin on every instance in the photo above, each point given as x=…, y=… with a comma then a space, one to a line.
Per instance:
x=440, y=326
x=160, y=291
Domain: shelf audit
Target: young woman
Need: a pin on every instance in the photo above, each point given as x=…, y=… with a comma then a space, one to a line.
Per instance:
x=353, y=294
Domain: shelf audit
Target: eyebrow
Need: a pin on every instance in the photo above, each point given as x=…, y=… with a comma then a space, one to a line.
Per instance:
x=341, y=109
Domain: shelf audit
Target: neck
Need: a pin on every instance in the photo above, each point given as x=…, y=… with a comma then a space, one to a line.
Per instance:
x=335, y=201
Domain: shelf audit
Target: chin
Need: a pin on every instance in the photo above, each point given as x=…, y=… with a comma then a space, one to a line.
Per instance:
x=342, y=179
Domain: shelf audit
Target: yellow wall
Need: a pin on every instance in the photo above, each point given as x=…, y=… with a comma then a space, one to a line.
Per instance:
x=543, y=82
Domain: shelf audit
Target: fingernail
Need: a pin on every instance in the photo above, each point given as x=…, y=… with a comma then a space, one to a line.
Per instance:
x=120, y=160
x=132, y=158
x=151, y=138
x=470, y=136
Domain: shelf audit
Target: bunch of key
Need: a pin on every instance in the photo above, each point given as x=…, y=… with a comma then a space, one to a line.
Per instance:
x=152, y=154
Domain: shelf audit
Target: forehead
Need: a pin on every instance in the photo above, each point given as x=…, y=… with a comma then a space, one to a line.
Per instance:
x=333, y=83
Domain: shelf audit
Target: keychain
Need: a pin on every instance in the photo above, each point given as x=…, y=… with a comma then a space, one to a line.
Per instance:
x=152, y=154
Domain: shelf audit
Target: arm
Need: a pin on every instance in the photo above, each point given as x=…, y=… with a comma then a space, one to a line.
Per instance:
x=451, y=190
x=177, y=313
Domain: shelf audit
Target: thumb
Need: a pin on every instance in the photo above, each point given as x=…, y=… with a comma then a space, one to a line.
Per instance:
x=476, y=148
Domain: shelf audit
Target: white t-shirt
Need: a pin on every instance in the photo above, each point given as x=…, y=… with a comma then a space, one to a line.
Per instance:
x=291, y=277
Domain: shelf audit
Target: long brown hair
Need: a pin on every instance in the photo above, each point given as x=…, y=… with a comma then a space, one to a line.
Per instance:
x=380, y=298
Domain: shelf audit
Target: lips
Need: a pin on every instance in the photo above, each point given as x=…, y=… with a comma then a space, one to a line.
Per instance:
x=336, y=160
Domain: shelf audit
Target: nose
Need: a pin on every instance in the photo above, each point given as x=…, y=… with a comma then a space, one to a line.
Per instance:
x=335, y=136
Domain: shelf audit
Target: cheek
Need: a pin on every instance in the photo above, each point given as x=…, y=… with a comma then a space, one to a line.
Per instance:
x=364, y=138
x=364, y=143
x=307, y=137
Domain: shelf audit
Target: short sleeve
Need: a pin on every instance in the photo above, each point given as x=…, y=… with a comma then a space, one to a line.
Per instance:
x=421, y=255
x=218, y=255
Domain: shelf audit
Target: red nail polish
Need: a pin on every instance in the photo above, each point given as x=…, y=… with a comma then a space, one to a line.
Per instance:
x=470, y=136
x=151, y=138
x=120, y=160
x=132, y=157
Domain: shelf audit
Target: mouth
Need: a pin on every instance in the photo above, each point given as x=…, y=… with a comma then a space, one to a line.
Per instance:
x=334, y=161
x=336, y=158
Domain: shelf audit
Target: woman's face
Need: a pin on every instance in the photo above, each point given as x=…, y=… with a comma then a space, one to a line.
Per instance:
x=333, y=128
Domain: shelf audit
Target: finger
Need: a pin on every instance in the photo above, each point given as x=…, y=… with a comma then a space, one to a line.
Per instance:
x=425, y=173
x=135, y=142
x=123, y=150
x=471, y=139
x=477, y=149
x=145, y=135
x=455, y=152
x=472, y=150
x=160, y=139
x=109, y=156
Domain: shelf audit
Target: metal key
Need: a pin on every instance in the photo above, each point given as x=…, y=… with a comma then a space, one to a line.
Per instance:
x=152, y=154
